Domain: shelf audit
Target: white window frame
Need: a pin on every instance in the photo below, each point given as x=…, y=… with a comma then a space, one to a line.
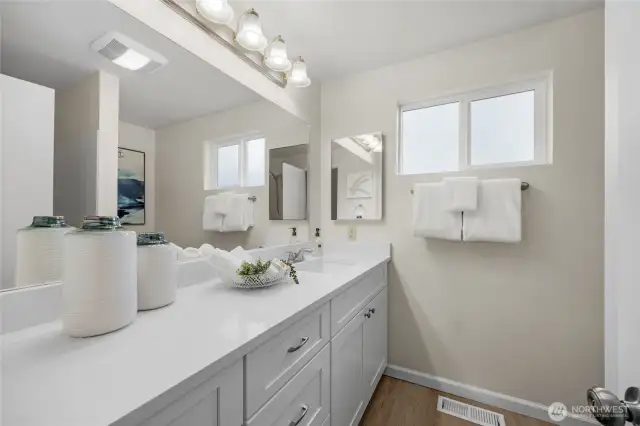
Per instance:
x=210, y=150
x=540, y=85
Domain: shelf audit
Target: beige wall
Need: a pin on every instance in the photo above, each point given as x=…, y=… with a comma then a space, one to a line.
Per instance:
x=142, y=139
x=179, y=173
x=525, y=320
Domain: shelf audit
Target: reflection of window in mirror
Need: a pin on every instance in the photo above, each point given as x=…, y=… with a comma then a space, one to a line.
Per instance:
x=235, y=163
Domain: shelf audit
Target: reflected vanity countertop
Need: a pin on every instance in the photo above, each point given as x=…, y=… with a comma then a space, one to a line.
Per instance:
x=54, y=380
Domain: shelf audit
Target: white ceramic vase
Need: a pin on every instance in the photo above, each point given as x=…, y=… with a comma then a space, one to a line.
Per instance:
x=99, y=285
x=157, y=271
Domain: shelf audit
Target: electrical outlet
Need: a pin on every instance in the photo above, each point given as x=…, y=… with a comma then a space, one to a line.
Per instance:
x=353, y=233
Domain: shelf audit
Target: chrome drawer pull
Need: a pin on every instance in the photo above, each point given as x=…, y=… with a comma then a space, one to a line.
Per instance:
x=305, y=409
x=303, y=341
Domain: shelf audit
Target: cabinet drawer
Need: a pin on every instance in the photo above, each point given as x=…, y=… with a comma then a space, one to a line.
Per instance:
x=304, y=401
x=346, y=305
x=272, y=364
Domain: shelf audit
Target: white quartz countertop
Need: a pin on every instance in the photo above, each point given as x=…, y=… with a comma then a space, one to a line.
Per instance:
x=49, y=379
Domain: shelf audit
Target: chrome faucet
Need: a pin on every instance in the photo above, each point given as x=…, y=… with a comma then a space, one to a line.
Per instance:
x=298, y=256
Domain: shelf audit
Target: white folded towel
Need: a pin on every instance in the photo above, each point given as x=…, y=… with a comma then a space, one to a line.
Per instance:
x=461, y=194
x=221, y=205
x=499, y=215
x=430, y=218
x=188, y=254
x=206, y=250
x=225, y=264
x=239, y=213
x=241, y=254
x=211, y=219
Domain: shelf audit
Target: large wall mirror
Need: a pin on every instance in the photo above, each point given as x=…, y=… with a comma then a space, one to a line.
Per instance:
x=356, y=177
x=288, y=168
x=88, y=130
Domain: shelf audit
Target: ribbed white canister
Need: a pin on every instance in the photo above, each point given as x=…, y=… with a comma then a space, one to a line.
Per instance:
x=39, y=250
x=157, y=271
x=99, y=285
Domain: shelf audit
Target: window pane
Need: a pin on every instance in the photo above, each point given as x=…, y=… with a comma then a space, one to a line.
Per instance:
x=430, y=139
x=502, y=129
x=255, y=164
x=228, y=166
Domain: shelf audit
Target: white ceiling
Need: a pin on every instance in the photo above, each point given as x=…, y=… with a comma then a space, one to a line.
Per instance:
x=49, y=43
x=344, y=37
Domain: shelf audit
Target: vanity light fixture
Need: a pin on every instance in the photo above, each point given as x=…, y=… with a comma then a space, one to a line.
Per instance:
x=298, y=77
x=275, y=55
x=370, y=142
x=249, y=33
x=248, y=41
x=216, y=11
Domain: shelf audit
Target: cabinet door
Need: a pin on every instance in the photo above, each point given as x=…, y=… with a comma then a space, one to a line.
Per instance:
x=216, y=402
x=375, y=342
x=347, y=376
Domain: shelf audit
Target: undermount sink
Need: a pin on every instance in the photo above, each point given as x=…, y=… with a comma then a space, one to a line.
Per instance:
x=321, y=265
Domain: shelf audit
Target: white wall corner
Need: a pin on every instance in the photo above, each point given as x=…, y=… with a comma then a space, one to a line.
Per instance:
x=108, y=123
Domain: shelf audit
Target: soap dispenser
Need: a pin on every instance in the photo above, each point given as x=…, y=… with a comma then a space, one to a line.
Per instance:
x=318, y=250
x=294, y=236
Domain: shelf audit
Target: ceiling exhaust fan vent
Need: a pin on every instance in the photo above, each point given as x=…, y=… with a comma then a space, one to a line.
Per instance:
x=128, y=53
x=113, y=50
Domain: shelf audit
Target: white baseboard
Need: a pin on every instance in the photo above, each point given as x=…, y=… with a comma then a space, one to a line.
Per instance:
x=506, y=402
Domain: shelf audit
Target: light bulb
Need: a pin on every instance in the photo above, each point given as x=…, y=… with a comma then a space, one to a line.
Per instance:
x=216, y=11
x=298, y=77
x=132, y=60
x=275, y=55
x=249, y=32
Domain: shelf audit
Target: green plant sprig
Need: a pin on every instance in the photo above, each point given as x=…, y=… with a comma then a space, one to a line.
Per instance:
x=292, y=272
x=258, y=268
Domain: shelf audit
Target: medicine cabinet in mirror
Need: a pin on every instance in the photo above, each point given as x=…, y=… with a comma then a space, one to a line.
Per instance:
x=356, y=177
x=288, y=183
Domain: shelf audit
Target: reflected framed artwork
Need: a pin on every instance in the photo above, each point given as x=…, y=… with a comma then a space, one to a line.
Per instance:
x=131, y=186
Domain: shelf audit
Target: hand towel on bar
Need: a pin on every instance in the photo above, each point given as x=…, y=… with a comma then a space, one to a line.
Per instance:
x=212, y=221
x=499, y=215
x=221, y=205
x=461, y=194
x=430, y=218
x=238, y=217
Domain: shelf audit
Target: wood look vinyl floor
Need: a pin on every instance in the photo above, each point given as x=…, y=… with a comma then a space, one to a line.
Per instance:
x=399, y=403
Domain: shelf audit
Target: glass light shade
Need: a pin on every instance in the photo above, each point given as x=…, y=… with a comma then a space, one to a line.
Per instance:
x=275, y=55
x=298, y=77
x=249, y=33
x=216, y=11
x=132, y=60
